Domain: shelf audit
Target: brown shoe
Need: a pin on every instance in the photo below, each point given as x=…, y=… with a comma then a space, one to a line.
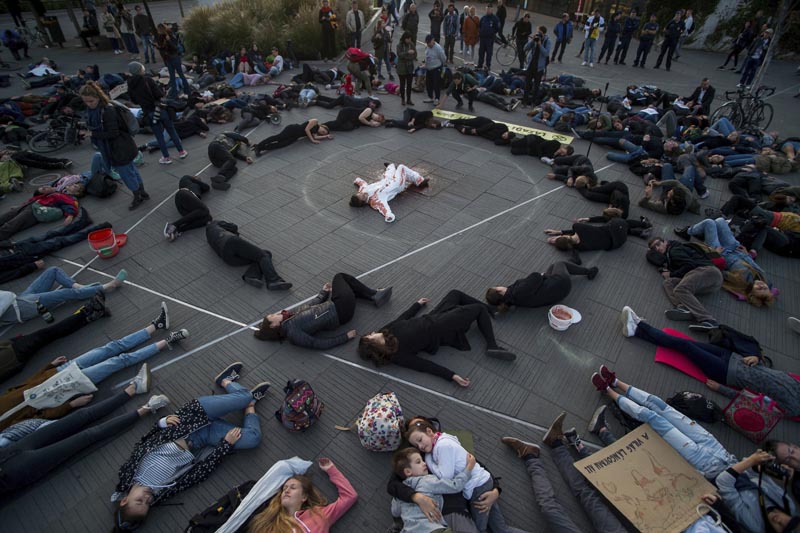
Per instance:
x=521, y=447
x=555, y=433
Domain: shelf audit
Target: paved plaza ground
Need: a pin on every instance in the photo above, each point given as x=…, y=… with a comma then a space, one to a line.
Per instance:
x=481, y=224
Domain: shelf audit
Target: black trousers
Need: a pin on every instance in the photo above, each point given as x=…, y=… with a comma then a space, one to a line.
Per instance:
x=37, y=454
x=344, y=291
x=222, y=159
x=329, y=103
x=642, y=52
x=194, y=211
x=668, y=49
x=622, y=49
x=470, y=96
x=433, y=82
x=559, y=44
x=328, y=42
x=608, y=48
x=289, y=135
x=25, y=346
x=34, y=160
x=457, y=311
x=406, y=81
x=557, y=280
x=239, y=252
x=521, y=53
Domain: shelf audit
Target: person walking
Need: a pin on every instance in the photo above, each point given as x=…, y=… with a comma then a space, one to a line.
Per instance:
x=326, y=18
x=520, y=32
x=563, y=34
x=629, y=27
x=435, y=60
x=646, y=39
x=501, y=16
x=742, y=42
x=594, y=27
x=355, y=25
x=143, y=29
x=146, y=93
x=672, y=33
x=488, y=28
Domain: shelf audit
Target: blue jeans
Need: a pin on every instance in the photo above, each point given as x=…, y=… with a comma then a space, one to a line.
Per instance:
x=147, y=46
x=99, y=363
x=237, y=81
x=715, y=233
x=274, y=71
x=632, y=152
x=739, y=160
x=724, y=126
x=130, y=176
x=749, y=70
x=693, y=181
x=699, y=447
x=174, y=68
x=220, y=405
x=588, y=53
x=494, y=519
x=159, y=126
x=42, y=289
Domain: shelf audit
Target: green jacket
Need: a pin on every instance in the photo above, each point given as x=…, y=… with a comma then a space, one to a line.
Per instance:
x=406, y=54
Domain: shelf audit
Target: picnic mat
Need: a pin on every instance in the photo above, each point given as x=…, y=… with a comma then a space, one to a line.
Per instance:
x=677, y=360
x=515, y=128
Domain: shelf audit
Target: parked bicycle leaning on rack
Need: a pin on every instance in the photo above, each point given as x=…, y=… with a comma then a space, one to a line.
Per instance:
x=746, y=109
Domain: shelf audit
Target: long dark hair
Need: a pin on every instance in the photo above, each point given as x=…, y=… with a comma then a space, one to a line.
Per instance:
x=380, y=354
x=268, y=333
x=493, y=297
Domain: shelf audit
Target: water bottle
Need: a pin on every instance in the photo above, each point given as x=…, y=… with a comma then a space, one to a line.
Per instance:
x=44, y=313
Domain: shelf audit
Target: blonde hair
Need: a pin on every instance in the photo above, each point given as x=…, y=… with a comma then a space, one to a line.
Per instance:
x=275, y=519
x=93, y=90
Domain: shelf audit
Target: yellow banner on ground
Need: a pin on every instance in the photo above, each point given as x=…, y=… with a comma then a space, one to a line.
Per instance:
x=515, y=128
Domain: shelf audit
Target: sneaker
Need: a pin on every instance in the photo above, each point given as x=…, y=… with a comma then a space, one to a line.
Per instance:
x=608, y=375
x=646, y=221
x=176, y=336
x=182, y=154
x=572, y=438
x=162, y=320
x=522, y=448
x=428, y=101
x=547, y=160
x=705, y=195
x=555, y=432
x=705, y=325
x=232, y=373
x=165, y=161
x=591, y=65
x=382, y=296
x=260, y=390
x=583, y=64
x=170, y=231
x=575, y=132
x=156, y=402
x=599, y=383
x=683, y=233
x=114, y=175
x=121, y=276
x=500, y=353
x=142, y=380
x=593, y=271
x=409, y=102
x=629, y=321
x=435, y=101
x=679, y=313
x=793, y=323
x=598, y=420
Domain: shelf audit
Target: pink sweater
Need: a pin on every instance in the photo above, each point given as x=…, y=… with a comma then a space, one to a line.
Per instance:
x=321, y=520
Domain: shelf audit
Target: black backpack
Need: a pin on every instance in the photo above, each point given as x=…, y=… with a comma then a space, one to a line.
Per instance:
x=212, y=517
x=101, y=185
x=735, y=341
x=696, y=406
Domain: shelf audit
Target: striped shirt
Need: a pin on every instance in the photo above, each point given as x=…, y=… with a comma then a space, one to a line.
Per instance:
x=158, y=468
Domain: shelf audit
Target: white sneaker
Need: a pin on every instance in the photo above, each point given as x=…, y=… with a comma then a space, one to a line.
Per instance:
x=142, y=380
x=176, y=336
x=546, y=160
x=583, y=64
x=591, y=65
x=428, y=101
x=629, y=321
x=793, y=323
x=156, y=402
x=165, y=161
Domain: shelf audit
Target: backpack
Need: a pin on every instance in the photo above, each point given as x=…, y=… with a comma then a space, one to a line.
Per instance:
x=215, y=515
x=356, y=55
x=301, y=406
x=735, y=341
x=101, y=185
x=380, y=426
x=696, y=406
x=127, y=117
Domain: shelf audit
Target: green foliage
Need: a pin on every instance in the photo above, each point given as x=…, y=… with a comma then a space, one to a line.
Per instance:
x=790, y=40
x=665, y=10
x=231, y=24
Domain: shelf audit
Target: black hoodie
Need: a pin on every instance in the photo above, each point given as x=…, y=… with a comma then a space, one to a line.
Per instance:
x=144, y=92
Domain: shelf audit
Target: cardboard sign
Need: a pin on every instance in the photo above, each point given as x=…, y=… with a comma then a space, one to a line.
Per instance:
x=118, y=91
x=514, y=128
x=647, y=481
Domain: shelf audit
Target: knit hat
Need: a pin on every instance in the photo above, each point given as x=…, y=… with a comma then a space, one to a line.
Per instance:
x=134, y=67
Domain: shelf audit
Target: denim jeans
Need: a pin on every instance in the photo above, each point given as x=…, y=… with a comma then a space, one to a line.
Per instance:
x=237, y=81
x=632, y=152
x=274, y=71
x=588, y=53
x=749, y=70
x=159, y=126
x=715, y=233
x=175, y=68
x=42, y=289
x=236, y=399
x=130, y=176
x=699, y=447
x=147, y=47
x=739, y=160
x=101, y=362
x=494, y=519
x=724, y=126
x=693, y=181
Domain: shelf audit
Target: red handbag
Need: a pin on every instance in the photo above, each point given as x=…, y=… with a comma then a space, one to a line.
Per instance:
x=753, y=415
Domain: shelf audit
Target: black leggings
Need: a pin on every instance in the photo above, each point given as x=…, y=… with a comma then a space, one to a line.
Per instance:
x=222, y=159
x=457, y=311
x=344, y=291
x=614, y=193
x=46, y=448
x=33, y=160
x=25, y=346
x=289, y=135
x=195, y=212
x=239, y=252
x=329, y=103
x=406, y=81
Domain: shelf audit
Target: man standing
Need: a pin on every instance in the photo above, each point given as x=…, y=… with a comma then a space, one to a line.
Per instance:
x=501, y=16
x=144, y=30
x=411, y=22
x=538, y=50
x=672, y=33
x=521, y=31
x=630, y=26
x=700, y=101
x=489, y=26
x=594, y=27
x=563, y=33
x=450, y=32
x=646, y=39
x=688, y=24
x=355, y=23
x=755, y=56
x=434, y=63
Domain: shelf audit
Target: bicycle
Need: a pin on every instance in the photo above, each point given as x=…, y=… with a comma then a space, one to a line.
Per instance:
x=61, y=132
x=35, y=36
x=746, y=110
x=506, y=54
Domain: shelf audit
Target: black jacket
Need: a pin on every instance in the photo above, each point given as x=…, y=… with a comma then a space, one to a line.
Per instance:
x=537, y=290
x=684, y=257
x=707, y=98
x=144, y=92
x=123, y=147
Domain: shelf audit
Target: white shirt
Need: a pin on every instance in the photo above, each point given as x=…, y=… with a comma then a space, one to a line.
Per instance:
x=395, y=180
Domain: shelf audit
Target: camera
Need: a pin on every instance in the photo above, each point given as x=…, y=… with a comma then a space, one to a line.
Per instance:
x=537, y=37
x=774, y=469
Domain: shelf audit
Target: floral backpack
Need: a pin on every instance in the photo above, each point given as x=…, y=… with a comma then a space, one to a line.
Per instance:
x=380, y=426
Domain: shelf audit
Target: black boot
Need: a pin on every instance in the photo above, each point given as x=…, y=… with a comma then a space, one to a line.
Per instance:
x=143, y=193
x=137, y=200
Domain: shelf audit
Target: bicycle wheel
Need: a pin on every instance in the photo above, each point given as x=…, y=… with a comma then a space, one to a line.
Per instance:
x=761, y=116
x=48, y=141
x=506, y=55
x=730, y=110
